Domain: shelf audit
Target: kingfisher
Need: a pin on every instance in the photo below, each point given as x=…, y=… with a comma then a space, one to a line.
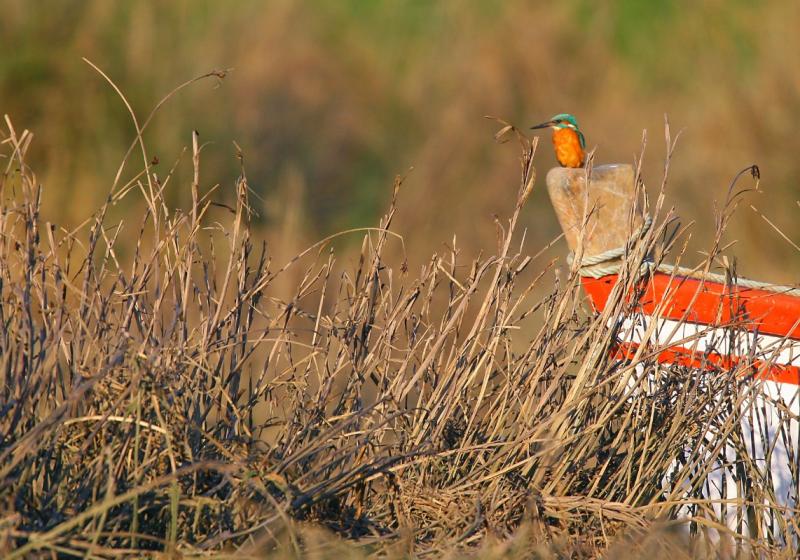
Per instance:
x=568, y=140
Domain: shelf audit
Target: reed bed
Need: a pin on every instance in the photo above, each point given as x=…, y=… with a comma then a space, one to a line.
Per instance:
x=177, y=400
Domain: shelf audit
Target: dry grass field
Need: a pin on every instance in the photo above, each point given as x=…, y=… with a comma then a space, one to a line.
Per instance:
x=197, y=397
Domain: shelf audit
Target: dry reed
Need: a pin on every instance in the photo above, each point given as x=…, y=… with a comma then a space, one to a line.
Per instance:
x=174, y=401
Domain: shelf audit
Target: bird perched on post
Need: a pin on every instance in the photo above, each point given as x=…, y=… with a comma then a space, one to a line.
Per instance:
x=568, y=140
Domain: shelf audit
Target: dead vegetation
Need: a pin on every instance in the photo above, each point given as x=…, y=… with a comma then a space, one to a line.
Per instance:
x=174, y=400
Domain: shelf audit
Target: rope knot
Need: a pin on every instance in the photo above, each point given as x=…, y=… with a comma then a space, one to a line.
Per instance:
x=591, y=266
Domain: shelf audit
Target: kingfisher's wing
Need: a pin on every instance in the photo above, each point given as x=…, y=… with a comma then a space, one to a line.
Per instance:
x=582, y=139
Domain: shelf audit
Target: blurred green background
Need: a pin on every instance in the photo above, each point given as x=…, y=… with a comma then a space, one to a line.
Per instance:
x=329, y=100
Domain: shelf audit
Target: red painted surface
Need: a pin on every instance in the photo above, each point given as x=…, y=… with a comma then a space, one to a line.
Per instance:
x=708, y=303
x=712, y=304
x=699, y=360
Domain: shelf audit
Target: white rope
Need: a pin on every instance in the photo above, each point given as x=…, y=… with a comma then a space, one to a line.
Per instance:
x=590, y=266
x=608, y=262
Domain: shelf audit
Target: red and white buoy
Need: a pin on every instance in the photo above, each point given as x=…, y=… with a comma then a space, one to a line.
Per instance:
x=704, y=324
x=673, y=315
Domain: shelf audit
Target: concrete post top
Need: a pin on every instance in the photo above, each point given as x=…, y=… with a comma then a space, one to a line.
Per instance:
x=606, y=172
x=597, y=215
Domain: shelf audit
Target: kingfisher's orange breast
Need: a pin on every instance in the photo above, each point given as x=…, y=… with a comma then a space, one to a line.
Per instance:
x=568, y=147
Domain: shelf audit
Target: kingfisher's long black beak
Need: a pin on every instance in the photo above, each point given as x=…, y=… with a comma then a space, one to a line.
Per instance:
x=547, y=124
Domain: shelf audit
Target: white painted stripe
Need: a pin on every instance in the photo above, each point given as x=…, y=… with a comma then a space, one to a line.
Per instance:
x=665, y=333
x=770, y=428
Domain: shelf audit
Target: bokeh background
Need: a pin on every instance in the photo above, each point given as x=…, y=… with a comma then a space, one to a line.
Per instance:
x=329, y=100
